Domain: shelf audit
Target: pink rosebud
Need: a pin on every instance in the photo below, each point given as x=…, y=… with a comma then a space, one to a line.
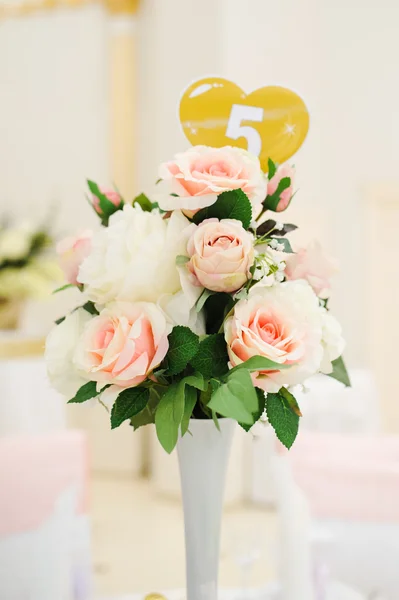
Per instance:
x=272, y=185
x=221, y=254
x=111, y=195
x=72, y=251
x=314, y=266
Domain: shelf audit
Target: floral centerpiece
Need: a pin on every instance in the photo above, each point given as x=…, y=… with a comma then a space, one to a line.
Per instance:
x=194, y=304
x=196, y=313
x=26, y=269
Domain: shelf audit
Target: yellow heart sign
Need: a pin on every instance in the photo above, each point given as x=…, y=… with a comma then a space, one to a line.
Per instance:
x=271, y=122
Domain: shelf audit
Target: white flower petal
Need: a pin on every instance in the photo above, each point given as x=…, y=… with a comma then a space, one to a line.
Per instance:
x=134, y=258
x=167, y=202
x=60, y=350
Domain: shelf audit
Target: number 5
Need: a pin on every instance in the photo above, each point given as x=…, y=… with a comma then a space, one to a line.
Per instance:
x=239, y=113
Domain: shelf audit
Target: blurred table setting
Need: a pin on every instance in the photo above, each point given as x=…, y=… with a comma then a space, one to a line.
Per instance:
x=336, y=591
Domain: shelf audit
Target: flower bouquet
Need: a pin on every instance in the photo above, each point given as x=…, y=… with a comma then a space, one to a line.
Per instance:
x=196, y=314
x=26, y=270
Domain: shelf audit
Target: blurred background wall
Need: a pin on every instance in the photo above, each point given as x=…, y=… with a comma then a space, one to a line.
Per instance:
x=91, y=89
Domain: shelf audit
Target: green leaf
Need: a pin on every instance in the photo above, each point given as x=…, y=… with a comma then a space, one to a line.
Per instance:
x=190, y=400
x=266, y=228
x=106, y=206
x=143, y=201
x=283, y=420
x=242, y=294
x=203, y=298
x=260, y=410
x=269, y=228
x=216, y=309
x=183, y=346
x=169, y=415
x=340, y=372
x=215, y=420
x=260, y=363
x=283, y=185
x=211, y=359
x=233, y=204
x=90, y=308
x=188, y=386
x=285, y=243
x=147, y=415
x=288, y=227
x=39, y=241
x=291, y=401
x=64, y=287
x=236, y=398
x=129, y=403
x=86, y=392
x=272, y=201
x=215, y=384
x=272, y=168
x=181, y=260
x=196, y=380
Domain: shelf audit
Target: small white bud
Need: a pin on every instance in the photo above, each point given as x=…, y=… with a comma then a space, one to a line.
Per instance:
x=273, y=244
x=279, y=277
x=280, y=247
x=295, y=389
x=279, y=226
x=281, y=266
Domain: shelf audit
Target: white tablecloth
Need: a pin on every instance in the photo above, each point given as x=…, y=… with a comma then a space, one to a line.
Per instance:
x=336, y=591
x=28, y=404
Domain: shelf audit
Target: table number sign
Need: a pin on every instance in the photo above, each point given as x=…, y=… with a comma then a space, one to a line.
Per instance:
x=272, y=121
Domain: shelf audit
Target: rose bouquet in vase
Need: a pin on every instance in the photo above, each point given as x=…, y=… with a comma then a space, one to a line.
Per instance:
x=197, y=315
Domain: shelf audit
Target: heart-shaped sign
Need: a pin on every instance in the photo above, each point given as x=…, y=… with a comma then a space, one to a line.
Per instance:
x=271, y=122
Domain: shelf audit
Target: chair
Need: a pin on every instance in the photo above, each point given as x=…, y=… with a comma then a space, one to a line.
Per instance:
x=352, y=486
x=44, y=532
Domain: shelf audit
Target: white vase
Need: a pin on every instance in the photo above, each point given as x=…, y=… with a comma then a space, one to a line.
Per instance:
x=203, y=459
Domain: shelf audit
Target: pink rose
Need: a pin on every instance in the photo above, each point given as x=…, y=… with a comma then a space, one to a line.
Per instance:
x=282, y=323
x=221, y=254
x=111, y=195
x=123, y=345
x=72, y=251
x=198, y=176
x=314, y=266
x=272, y=185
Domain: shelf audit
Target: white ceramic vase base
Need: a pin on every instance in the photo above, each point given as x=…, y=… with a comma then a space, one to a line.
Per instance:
x=203, y=459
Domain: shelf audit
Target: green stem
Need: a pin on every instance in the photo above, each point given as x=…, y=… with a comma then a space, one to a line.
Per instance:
x=103, y=404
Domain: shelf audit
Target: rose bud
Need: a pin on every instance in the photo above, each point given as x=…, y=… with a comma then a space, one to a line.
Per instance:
x=72, y=251
x=276, y=200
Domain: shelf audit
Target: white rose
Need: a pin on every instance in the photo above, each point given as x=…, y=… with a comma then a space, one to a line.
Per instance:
x=15, y=243
x=61, y=345
x=332, y=341
x=180, y=311
x=282, y=323
x=134, y=258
